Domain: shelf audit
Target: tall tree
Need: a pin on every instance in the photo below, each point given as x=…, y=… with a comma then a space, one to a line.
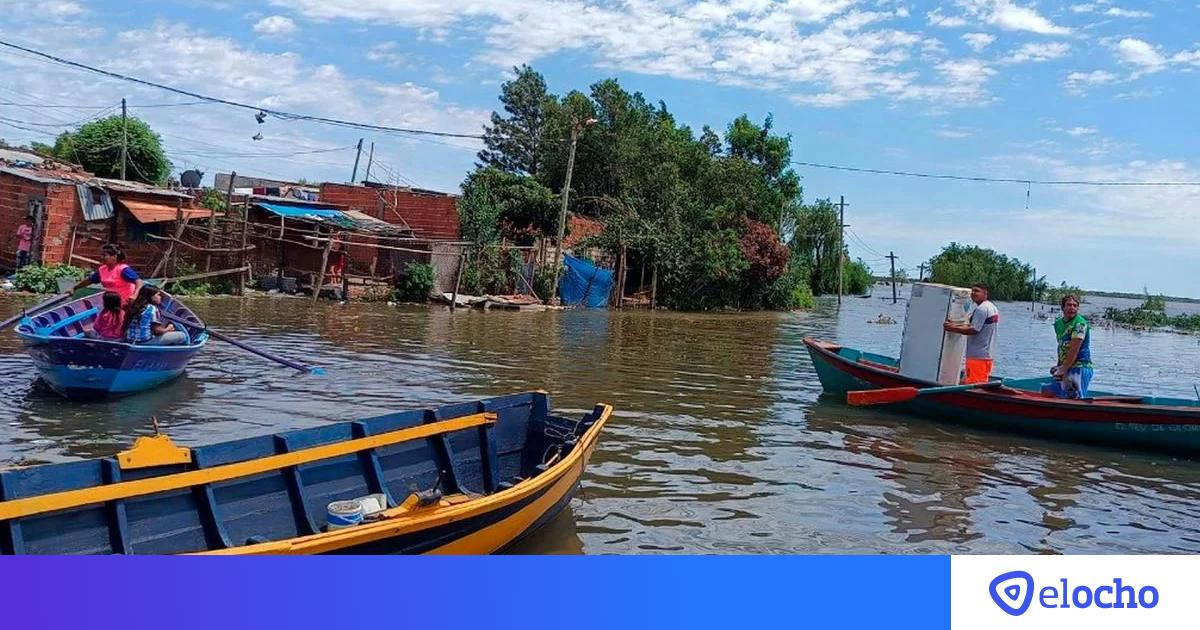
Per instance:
x=96, y=147
x=516, y=141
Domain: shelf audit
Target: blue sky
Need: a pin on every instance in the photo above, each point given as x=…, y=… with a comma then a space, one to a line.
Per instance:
x=1091, y=90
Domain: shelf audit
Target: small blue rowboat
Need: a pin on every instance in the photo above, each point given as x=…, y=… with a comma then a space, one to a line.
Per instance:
x=469, y=478
x=82, y=368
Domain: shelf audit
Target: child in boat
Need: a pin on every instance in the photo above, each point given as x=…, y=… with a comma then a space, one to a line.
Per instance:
x=110, y=323
x=114, y=274
x=144, y=322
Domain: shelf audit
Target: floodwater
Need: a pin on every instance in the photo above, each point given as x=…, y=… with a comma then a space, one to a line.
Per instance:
x=721, y=442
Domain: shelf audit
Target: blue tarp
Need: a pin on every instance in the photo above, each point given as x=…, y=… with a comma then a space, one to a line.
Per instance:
x=584, y=283
x=305, y=212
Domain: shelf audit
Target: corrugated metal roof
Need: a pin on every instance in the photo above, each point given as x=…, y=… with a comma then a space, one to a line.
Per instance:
x=35, y=176
x=147, y=212
x=369, y=223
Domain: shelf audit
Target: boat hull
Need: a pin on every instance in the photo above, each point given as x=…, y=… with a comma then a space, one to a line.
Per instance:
x=1163, y=425
x=86, y=369
x=80, y=367
x=472, y=478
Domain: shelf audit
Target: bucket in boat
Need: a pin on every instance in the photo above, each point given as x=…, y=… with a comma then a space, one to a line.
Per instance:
x=342, y=514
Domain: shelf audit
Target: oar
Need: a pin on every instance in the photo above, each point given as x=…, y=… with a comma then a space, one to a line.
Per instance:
x=900, y=394
x=51, y=302
x=266, y=355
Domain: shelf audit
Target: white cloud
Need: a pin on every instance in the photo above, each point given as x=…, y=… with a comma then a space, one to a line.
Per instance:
x=1080, y=131
x=275, y=26
x=1141, y=54
x=386, y=53
x=1189, y=57
x=1110, y=11
x=953, y=133
x=1079, y=82
x=817, y=52
x=978, y=41
x=52, y=9
x=1038, y=52
x=217, y=138
x=1009, y=16
x=936, y=18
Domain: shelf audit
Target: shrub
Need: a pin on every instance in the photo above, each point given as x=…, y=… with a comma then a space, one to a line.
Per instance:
x=416, y=283
x=44, y=278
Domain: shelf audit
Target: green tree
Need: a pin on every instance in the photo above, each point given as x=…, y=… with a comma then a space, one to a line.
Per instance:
x=1008, y=279
x=817, y=242
x=498, y=204
x=96, y=146
x=517, y=142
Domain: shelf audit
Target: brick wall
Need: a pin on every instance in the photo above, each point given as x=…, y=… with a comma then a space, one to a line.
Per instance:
x=431, y=216
x=14, y=205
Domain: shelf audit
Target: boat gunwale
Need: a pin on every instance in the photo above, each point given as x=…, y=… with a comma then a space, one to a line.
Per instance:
x=404, y=522
x=29, y=336
x=828, y=349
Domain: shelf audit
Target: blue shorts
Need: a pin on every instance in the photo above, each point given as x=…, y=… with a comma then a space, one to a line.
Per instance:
x=1073, y=385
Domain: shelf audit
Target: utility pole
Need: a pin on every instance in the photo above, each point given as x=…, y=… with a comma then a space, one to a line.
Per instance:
x=921, y=273
x=354, y=173
x=1033, y=298
x=841, y=245
x=576, y=127
x=892, y=257
x=124, y=138
x=370, y=160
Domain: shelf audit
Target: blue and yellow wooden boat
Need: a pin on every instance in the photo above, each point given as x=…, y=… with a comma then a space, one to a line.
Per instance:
x=464, y=479
x=82, y=368
x=1139, y=422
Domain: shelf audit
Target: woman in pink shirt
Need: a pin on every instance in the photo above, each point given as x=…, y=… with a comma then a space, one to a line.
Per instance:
x=110, y=323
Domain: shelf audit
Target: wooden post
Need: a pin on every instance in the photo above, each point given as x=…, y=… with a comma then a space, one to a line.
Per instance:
x=212, y=221
x=462, y=262
x=179, y=225
x=654, y=287
x=841, y=245
x=242, y=278
x=621, y=279
x=321, y=272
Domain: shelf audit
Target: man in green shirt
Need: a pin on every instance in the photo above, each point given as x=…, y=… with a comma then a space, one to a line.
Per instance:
x=1073, y=373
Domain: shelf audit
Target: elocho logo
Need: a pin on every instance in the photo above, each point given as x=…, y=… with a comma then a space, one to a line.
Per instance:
x=1014, y=592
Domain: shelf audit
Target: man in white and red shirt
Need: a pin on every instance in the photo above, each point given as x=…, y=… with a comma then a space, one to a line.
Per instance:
x=980, y=332
x=24, y=242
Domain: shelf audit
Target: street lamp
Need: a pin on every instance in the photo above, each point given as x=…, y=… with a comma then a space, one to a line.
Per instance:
x=576, y=127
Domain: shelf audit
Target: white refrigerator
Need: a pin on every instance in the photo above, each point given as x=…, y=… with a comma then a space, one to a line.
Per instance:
x=927, y=352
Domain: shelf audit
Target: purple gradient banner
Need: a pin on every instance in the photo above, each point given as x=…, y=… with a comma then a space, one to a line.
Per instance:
x=519, y=592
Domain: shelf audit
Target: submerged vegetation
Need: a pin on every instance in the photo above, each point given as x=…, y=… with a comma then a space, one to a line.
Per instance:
x=1152, y=314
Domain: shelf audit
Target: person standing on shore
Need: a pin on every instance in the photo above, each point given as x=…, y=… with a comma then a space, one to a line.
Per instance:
x=981, y=333
x=24, y=241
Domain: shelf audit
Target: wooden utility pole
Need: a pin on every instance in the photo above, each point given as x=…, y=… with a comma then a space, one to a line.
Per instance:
x=357, y=156
x=370, y=161
x=841, y=245
x=562, y=214
x=921, y=273
x=1033, y=298
x=892, y=257
x=124, y=138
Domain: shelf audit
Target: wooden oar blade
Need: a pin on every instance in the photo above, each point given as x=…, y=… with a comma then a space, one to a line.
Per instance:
x=881, y=396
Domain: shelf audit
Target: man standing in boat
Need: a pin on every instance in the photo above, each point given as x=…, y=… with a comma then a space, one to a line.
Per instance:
x=1073, y=373
x=981, y=332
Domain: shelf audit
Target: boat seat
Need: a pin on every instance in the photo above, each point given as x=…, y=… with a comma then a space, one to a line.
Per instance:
x=63, y=323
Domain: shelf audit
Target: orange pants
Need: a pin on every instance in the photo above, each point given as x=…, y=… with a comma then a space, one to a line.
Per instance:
x=978, y=371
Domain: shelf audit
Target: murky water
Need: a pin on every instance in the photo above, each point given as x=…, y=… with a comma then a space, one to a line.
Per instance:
x=721, y=443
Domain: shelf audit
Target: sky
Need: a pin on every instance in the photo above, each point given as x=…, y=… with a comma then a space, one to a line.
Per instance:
x=1088, y=91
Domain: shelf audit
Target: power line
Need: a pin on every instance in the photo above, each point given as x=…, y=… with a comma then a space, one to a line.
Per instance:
x=997, y=180
x=277, y=113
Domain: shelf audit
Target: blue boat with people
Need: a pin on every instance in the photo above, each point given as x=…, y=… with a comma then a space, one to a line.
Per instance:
x=81, y=365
